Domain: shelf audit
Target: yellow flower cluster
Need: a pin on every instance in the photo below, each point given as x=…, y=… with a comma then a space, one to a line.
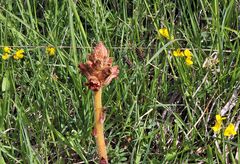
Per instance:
x=7, y=49
x=186, y=53
x=6, y=52
x=5, y=56
x=228, y=132
x=218, y=124
x=178, y=53
x=51, y=51
x=165, y=33
x=19, y=54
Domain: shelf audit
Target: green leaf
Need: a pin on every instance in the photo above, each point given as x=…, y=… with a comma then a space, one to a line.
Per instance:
x=170, y=156
x=1, y=158
x=5, y=82
x=161, y=50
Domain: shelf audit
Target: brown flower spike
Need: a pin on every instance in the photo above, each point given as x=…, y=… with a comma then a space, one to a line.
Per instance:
x=99, y=72
x=98, y=69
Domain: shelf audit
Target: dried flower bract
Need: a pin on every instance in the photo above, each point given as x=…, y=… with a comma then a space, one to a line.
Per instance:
x=98, y=69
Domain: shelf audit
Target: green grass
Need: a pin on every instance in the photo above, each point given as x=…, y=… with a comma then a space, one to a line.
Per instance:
x=158, y=111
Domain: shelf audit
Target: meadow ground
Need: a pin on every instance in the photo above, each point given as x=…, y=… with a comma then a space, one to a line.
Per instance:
x=163, y=105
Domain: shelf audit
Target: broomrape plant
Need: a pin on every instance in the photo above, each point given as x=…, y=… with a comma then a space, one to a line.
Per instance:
x=99, y=72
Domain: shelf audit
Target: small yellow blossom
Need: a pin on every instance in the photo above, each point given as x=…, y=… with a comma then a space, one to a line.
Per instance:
x=216, y=128
x=219, y=118
x=229, y=131
x=7, y=49
x=5, y=56
x=164, y=32
x=188, y=61
x=15, y=57
x=51, y=51
x=188, y=53
x=178, y=53
x=21, y=51
x=19, y=54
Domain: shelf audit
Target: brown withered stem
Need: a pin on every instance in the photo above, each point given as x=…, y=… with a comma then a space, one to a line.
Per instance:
x=99, y=72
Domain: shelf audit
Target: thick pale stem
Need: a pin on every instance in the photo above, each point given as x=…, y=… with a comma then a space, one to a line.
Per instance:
x=99, y=127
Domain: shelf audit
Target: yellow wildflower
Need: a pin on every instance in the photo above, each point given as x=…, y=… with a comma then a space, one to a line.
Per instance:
x=219, y=118
x=164, y=32
x=19, y=54
x=178, y=53
x=5, y=56
x=21, y=51
x=216, y=128
x=51, y=51
x=230, y=131
x=187, y=53
x=189, y=61
x=15, y=57
x=7, y=49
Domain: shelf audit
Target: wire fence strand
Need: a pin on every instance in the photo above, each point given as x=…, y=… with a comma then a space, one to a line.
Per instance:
x=113, y=47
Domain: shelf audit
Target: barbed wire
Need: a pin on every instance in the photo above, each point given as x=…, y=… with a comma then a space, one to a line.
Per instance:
x=113, y=47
